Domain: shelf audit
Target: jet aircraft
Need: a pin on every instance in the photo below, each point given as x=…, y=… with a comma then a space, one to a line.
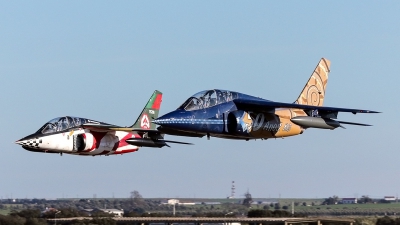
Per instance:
x=80, y=136
x=233, y=115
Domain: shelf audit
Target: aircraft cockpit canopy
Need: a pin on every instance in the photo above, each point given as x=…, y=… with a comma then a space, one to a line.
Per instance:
x=208, y=98
x=61, y=123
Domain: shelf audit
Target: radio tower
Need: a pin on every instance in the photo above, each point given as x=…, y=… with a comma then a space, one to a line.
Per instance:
x=233, y=190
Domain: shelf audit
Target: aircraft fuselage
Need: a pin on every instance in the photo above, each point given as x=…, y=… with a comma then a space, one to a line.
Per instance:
x=226, y=121
x=75, y=140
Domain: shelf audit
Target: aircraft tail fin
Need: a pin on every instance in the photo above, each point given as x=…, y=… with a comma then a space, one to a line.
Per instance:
x=149, y=112
x=313, y=92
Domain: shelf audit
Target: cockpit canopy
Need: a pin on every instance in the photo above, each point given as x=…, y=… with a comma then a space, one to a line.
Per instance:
x=61, y=123
x=208, y=98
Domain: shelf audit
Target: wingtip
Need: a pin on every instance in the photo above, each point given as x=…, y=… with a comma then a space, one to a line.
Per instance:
x=370, y=111
x=365, y=111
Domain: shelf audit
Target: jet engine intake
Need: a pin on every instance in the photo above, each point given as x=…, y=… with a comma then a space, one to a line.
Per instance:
x=79, y=142
x=239, y=123
x=82, y=142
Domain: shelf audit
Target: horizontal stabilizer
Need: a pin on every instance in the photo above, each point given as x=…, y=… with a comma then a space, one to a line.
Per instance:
x=351, y=123
x=322, y=123
x=178, y=142
x=268, y=106
x=154, y=143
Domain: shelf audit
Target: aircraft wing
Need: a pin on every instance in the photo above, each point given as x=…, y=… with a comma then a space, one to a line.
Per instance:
x=154, y=135
x=268, y=106
x=109, y=127
x=104, y=127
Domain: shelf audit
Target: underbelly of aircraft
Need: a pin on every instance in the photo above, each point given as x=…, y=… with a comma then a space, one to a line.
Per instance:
x=235, y=125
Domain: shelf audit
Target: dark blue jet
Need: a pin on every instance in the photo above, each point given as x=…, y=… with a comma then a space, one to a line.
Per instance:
x=233, y=115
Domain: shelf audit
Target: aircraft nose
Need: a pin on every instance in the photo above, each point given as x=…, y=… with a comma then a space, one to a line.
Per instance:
x=30, y=140
x=22, y=141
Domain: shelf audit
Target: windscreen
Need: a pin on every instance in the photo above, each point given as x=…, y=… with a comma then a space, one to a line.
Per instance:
x=207, y=99
x=61, y=123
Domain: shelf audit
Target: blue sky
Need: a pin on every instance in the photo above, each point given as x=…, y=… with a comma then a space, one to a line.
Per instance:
x=102, y=60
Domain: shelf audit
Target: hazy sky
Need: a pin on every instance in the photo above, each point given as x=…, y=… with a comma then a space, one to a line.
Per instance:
x=103, y=60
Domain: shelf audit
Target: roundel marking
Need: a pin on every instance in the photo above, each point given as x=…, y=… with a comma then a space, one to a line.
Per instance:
x=144, y=122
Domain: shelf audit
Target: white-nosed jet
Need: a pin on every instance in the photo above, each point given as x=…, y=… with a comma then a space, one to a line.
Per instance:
x=80, y=136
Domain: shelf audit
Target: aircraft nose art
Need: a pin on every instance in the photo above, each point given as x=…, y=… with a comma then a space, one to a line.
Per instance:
x=31, y=143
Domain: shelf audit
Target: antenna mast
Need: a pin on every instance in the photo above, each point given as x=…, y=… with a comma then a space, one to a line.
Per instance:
x=233, y=190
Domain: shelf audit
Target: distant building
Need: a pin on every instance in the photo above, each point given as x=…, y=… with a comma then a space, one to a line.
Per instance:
x=88, y=211
x=177, y=202
x=390, y=198
x=172, y=201
x=47, y=210
x=116, y=212
x=349, y=201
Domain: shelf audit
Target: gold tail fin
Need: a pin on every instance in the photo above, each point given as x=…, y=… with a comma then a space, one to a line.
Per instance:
x=314, y=91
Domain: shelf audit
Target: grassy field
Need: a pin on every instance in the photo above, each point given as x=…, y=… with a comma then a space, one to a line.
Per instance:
x=357, y=206
x=9, y=208
x=4, y=211
x=318, y=202
x=313, y=206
